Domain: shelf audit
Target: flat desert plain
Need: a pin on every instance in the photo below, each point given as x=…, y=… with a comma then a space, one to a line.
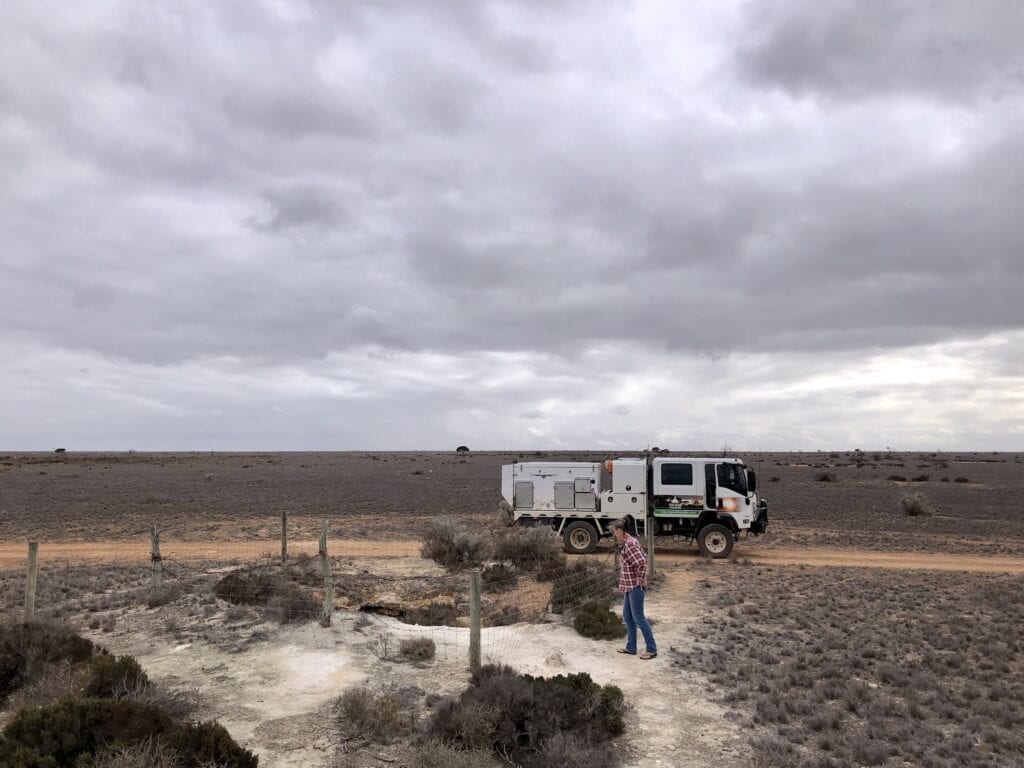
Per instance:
x=852, y=634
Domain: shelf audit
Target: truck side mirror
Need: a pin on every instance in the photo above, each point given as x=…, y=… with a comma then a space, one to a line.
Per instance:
x=751, y=481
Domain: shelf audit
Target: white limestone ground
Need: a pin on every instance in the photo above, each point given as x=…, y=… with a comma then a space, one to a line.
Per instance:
x=275, y=695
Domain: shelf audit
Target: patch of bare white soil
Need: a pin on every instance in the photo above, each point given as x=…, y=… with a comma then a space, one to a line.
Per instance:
x=274, y=693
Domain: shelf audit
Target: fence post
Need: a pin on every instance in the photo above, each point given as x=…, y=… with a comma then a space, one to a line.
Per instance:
x=649, y=530
x=155, y=557
x=30, y=580
x=284, y=537
x=325, y=568
x=474, y=622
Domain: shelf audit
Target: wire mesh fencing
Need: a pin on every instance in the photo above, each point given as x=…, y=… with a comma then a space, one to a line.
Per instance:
x=406, y=607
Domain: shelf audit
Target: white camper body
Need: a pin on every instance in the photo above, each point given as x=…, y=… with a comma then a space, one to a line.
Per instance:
x=710, y=500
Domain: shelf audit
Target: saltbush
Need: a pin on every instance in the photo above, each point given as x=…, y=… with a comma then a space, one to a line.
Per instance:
x=916, y=505
x=519, y=716
x=595, y=621
x=26, y=649
x=283, y=600
x=530, y=549
x=417, y=649
x=436, y=614
x=69, y=733
x=498, y=577
x=113, y=677
x=369, y=714
x=448, y=543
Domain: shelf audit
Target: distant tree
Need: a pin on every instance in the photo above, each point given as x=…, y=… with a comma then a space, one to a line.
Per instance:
x=462, y=449
x=59, y=450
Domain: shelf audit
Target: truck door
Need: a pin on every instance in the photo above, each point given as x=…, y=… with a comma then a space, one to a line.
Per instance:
x=710, y=487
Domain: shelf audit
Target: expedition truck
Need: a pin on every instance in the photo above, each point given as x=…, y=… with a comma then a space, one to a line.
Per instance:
x=710, y=500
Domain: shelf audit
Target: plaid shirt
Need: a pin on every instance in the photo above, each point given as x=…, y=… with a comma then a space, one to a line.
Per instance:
x=634, y=565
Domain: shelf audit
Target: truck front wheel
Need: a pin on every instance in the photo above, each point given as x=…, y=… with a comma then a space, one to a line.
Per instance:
x=715, y=541
x=580, y=538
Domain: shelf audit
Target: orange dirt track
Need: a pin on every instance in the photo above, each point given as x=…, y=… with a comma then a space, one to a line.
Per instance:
x=13, y=556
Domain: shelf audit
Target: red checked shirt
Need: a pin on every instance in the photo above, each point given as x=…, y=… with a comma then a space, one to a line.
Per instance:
x=634, y=565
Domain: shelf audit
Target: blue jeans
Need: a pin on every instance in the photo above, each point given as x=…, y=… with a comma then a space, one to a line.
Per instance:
x=633, y=615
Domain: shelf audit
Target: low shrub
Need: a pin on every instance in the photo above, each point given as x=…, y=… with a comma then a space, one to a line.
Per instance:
x=371, y=715
x=293, y=603
x=503, y=617
x=434, y=614
x=163, y=595
x=920, y=479
x=49, y=684
x=530, y=549
x=114, y=677
x=581, y=582
x=595, y=621
x=448, y=543
x=825, y=477
x=147, y=753
x=498, y=577
x=283, y=600
x=519, y=716
x=916, y=505
x=26, y=649
x=209, y=743
x=417, y=649
x=961, y=480
x=897, y=478
x=437, y=754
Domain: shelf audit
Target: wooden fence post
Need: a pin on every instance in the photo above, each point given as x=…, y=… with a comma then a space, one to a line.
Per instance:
x=325, y=568
x=284, y=537
x=30, y=580
x=474, y=622
x=155, y=558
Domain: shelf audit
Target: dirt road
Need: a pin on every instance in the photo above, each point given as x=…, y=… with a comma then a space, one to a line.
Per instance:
x=13, y=556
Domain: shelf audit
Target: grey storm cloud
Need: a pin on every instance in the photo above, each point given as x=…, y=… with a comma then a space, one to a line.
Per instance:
x=278, y=184
x=936, y=48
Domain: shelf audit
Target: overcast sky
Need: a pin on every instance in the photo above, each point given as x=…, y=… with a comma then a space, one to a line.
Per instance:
x=411, y=225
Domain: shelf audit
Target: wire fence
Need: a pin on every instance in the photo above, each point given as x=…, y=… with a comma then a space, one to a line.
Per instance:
x=406, y=607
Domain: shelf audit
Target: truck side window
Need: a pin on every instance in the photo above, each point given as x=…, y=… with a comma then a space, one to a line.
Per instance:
x=677, y=474
x=733, y=477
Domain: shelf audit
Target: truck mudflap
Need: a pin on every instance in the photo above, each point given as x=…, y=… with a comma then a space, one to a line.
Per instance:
x=760, y=524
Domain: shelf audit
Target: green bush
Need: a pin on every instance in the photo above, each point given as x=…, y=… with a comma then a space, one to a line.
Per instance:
x=450, y=544
x=25, y=649
x=68, y=734
x=113, y=677
x=283, y=600
x=69, y=729
x=209, y=743
x=530, y=549
x=595, y=621
x=519, y=715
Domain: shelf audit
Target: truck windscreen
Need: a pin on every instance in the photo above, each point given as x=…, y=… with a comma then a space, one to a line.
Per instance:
x=733, y=477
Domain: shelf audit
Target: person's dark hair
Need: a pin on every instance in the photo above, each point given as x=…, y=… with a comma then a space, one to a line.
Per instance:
x=620, y=524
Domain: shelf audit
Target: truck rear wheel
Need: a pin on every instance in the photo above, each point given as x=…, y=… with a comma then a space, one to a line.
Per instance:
x=715, y=541
x=580, y=538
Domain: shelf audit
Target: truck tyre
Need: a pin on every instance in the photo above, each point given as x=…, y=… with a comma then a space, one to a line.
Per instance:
x=580, y=538
x=715, y=541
